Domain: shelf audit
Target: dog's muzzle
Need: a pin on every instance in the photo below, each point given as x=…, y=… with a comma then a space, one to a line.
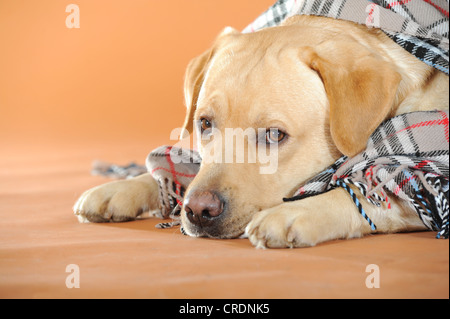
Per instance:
x=204, y=210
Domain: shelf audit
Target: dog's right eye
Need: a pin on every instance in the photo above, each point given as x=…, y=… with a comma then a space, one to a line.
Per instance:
x=274, y=136
x=205, y=124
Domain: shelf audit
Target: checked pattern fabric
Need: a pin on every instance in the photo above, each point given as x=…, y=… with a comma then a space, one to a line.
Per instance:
x=408, y=157
x=174, y=169
x=419, y=26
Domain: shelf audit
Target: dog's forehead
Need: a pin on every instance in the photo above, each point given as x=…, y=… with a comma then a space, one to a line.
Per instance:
x=222, y=59
x=252, y=80
x=227, y=60
x=225, y=74
x=233, y=67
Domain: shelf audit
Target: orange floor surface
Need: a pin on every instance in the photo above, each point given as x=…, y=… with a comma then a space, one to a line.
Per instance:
x=112, y=90
x=40, y=237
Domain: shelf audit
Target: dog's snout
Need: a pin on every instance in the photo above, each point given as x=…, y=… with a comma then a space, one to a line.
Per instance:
x=202, y=208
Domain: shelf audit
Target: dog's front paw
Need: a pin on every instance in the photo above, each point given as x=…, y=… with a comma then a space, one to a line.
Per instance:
x=281, y=227
x=307, y=222
x=117, y=201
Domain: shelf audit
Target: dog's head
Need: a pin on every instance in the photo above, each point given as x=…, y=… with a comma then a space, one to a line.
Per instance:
x=289, y=100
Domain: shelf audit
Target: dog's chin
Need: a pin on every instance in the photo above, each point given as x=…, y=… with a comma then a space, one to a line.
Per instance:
x=216, y=232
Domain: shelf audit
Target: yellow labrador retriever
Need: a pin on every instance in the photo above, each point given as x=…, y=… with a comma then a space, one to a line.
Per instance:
x=319, y=87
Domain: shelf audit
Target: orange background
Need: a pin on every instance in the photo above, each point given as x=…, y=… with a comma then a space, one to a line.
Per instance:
x=113, y=90
x=119, y=76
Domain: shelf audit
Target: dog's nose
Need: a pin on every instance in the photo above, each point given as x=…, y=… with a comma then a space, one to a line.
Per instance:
x=202, y=208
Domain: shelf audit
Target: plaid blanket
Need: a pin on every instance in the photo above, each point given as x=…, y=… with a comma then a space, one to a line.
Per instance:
x=408, y=157
x=174, y=169
x=420, y=27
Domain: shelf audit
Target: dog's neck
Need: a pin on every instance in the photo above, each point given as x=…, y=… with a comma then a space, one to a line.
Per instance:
x=422, y=87
x=429, y=93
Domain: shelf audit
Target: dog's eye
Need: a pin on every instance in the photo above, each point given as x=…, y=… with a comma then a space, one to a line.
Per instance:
x=274, y=135
x=205, y=124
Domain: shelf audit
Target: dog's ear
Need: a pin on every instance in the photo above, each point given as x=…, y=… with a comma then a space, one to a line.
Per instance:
x=361, y=89
x=193, y=81
x=194, y=77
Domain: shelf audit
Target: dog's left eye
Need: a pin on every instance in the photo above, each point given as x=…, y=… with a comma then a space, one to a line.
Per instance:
x=205, y=124
x=274, y=135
